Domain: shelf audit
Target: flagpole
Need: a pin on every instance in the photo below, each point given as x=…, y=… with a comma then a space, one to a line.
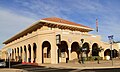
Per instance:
x=96, y=25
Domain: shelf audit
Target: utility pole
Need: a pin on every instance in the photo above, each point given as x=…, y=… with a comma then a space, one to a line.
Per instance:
x=111, y=42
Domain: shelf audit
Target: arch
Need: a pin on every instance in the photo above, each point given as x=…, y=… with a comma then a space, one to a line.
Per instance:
x=25, y=54
x=63, y=52
x=46, y=52
x=29, y=51
x=86, y=52
x=18, y=57
x=95, y=51
x=107, y=54
x=115, y=53
x=34, y=52
x=74, y=50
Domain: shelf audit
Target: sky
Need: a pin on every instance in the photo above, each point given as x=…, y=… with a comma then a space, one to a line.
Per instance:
x=16, y=15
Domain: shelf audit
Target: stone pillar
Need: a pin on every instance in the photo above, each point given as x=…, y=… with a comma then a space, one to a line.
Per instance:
x=23, y=55
x=102, y=54
x=32, y=54
x=27, y=53
x=14, y=54
x=54, y=55
x=39, y=52
x=19, y=54
x=69, y=49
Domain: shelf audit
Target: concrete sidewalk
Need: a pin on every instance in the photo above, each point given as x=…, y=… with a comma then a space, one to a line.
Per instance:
x=86, y=65
x=11, y=70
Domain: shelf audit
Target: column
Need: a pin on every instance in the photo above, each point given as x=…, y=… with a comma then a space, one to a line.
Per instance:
x=19, y=54
x=69, y=49
x=32, y=54
x=23, y=55
x=27, y=53
x=39, y=52
x=54, y=55
x=14, y=55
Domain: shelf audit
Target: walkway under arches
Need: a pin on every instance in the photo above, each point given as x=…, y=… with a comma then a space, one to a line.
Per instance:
x=107, y=54
x=63, y=53
x=34, y=52
x=95, y=51
x=75, y=50
x=46, y=52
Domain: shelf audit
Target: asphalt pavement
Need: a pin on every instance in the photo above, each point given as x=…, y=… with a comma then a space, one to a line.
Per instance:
x=89, y=66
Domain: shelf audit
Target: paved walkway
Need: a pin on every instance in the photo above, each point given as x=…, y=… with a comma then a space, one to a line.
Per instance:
x=87, y=65
x=11, y=70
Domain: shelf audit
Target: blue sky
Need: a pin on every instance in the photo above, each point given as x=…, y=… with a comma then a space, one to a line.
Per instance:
x=16, y=15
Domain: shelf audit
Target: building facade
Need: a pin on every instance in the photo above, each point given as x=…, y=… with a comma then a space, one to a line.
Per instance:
x=55, y=40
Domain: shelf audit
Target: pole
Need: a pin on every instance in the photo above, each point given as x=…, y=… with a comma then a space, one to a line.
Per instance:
x=9, y=61
x=111, y=54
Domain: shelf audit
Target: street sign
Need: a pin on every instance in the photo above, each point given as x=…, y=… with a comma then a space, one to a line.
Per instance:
x=9, y=51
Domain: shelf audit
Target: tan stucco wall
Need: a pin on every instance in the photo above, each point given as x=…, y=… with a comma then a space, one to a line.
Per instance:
x=47, y=34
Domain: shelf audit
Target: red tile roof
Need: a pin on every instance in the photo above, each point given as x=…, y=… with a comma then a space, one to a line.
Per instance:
x=59, y=20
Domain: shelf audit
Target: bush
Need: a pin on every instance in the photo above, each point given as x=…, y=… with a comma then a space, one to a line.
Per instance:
x=93, y=58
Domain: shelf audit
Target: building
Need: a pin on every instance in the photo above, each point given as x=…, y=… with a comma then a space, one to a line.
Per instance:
x=54, y=40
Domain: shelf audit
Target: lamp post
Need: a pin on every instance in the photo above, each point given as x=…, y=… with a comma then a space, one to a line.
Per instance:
x=111, y=42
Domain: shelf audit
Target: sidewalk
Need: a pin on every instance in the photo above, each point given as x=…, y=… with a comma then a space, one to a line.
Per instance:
x=86, y=65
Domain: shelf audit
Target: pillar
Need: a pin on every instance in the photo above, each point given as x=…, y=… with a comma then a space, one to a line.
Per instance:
x=39, y=52
x=54, y=55
x=23, y=55
x=27, y=53
x=32, y=54
x=69, y=49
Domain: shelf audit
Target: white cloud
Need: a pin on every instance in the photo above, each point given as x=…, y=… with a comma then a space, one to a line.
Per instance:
x=11, y=23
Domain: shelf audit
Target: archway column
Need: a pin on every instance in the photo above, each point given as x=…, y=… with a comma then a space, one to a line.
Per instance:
x=14, y=54
x=32, y=54
x=69, y=49
x=27, y=51
x=39, y=52
x=23, y=54
x=102, y=54
x=19, y=54
x=90, y=53
x=54, y=58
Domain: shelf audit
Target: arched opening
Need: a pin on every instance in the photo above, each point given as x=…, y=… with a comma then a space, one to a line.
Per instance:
x=25, y=54
x=34, y=52
x=29, y=50
x=75, y=50
x=63, y=53
x=107, y=54
x=86, y=48
x=18, y=57
x=115, y=53
x=46, y=52
x=95, y=51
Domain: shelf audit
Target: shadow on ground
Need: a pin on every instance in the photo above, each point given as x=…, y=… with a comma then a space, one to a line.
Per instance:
x=33, y=68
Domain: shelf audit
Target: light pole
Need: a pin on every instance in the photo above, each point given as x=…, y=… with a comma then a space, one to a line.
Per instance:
x=111, y=42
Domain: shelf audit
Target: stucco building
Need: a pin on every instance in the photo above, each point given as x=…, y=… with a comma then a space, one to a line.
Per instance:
x=54, y=40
